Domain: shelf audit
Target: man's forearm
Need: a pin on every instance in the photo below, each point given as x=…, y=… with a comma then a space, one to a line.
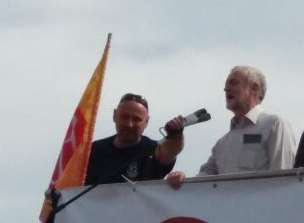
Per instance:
x=169, y=148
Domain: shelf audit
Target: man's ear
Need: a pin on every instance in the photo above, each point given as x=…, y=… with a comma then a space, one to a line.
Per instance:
x=114, y=115
x=147, y=120
x=255, y=87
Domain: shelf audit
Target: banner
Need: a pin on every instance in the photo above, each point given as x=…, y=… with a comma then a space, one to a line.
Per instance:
x=262, y=197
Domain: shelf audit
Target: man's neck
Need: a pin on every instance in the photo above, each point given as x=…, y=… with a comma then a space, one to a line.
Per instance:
x=243, y=111
x=240, y=114
x=122, y=144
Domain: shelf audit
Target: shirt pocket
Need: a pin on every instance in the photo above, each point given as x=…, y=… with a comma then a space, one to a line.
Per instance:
x=248, y=156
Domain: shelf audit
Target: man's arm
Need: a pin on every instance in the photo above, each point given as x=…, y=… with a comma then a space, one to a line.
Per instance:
x=167, y=150
x=210, y=167
x=173, y=144
x=281, y=146
x=176, y=178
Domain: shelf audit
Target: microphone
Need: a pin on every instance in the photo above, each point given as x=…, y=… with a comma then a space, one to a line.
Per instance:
x=200, y=115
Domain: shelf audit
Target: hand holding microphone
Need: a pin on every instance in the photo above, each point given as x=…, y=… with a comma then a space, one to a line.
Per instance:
x=176, y=126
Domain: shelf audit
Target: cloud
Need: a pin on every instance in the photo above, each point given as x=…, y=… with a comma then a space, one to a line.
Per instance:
x=176, y=53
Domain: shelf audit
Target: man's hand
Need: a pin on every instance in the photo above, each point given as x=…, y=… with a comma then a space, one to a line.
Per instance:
x=176, y=179
x=173, y=142
x=175, y=127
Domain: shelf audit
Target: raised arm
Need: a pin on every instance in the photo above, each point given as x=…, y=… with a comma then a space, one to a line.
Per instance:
x=173, y=143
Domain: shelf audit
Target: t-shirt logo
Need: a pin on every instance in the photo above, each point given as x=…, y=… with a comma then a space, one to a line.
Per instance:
x=132, y=170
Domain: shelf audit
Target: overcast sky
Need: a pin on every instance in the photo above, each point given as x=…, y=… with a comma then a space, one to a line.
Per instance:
x=175, y=53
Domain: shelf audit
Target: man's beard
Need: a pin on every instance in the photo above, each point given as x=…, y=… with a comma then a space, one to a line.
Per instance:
x=128, y=136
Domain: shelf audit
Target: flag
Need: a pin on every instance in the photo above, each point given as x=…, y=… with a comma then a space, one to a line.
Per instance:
x=71, y=166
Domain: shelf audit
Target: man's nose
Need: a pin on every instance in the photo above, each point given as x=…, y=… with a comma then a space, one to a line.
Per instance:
x=129, y=123
x=227, y=88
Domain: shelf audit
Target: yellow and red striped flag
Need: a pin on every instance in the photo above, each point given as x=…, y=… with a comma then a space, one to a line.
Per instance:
x=71, y=166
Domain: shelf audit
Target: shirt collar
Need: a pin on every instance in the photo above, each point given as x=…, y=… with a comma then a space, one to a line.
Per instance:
x=251, y=116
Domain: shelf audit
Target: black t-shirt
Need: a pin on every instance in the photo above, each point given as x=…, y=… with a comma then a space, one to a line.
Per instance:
x=107, y=163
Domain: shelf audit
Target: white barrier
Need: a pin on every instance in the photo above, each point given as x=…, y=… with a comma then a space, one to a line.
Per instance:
x=263, y=197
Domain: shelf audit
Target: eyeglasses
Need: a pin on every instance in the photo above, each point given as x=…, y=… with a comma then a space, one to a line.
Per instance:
x=134, y=97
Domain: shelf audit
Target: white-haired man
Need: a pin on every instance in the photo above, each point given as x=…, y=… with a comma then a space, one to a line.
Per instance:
x=256, y=140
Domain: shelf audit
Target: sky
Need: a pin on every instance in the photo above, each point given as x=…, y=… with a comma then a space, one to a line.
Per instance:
x=175, y=53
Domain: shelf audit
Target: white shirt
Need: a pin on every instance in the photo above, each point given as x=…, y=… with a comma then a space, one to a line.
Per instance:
x=257, y=141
